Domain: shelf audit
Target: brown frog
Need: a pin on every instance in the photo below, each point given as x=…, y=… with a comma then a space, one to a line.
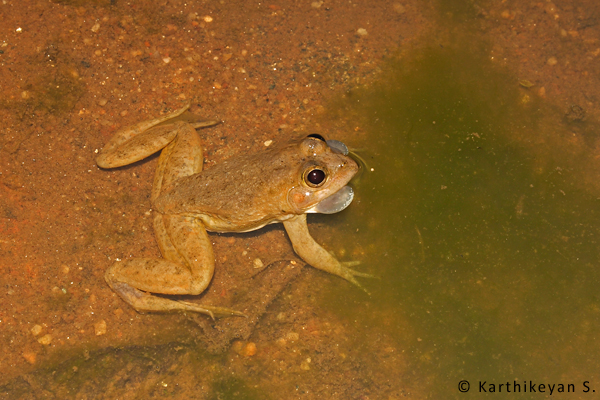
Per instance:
x=280, y=184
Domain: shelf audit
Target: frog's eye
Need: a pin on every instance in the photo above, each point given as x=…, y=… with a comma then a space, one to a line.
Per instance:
x=315, y=177
x=317, y=136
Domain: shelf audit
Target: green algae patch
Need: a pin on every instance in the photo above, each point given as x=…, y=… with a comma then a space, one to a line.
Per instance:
x=476, y=210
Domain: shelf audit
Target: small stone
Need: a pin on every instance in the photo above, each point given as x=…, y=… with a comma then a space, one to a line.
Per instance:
x=64, y=269
x=316, y=4
x=45, y=340
x=542, y=92
x=258, y=263
x=305, y=365
x=124, y=113
x=249, y=349
x=361, y=32
x=96, y=27
x=36, y=330
x=25, y=95
x=208, y=18
x=268, y=143
x=292, y=336
x=167, y=60
x=505, y=14
x=100, y=327
x=30, y=357
x=552, y=61
x=102, y=102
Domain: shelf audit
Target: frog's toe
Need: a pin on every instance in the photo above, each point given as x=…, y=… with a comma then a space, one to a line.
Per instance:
x=350, y=263
x=212, y=311
x=350, y=274
x=347, y=264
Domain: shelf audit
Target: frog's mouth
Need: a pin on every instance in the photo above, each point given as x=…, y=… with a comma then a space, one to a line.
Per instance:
x=334, y=203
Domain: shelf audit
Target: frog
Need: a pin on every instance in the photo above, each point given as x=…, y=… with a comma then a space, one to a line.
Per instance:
x=280, y=184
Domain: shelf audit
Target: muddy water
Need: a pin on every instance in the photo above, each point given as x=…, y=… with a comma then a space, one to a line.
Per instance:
x=482, y=230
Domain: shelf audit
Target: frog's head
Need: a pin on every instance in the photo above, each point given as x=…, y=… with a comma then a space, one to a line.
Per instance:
x=323, y=173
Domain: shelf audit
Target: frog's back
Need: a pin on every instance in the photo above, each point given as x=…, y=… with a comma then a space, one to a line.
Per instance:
x=240, y=194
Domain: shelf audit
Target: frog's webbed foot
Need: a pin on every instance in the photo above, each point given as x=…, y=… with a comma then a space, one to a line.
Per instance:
x=349, y=274
x=146, y=302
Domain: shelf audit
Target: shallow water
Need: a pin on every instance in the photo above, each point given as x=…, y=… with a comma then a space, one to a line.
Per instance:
x=479, y=216
x=485, y=242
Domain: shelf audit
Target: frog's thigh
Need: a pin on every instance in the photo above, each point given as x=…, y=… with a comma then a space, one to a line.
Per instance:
x=167, y=249
x=189, y=237
x=190, y=240
x=181, y=158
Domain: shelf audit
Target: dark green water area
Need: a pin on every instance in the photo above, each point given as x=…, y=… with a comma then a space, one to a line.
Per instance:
x=475, y=212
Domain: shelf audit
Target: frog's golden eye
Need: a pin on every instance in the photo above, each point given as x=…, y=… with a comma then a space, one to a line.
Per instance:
x=315, y=176
x=317, y=136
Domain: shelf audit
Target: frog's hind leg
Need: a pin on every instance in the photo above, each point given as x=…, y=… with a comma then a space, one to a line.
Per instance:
x=183, y=272
x=136, y=142
x=188, y=264
x=182, y=157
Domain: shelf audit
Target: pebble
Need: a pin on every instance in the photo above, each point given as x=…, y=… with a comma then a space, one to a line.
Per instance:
x=45, y=340
x=305, y=365
x=249, y=349
x=96, y=27
x=316, y=4
x=361, y=32
x=552, y=61
x=100, y=327
x=30, y=357
x=102, y=102
x=36, y=330
x=244, y=349
x=542, y=92
x=268, y=143
x=208, y=18
x=258, y=263
x=293, y=336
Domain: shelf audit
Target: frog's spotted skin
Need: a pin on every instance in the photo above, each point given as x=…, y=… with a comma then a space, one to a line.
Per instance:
x=242, y=194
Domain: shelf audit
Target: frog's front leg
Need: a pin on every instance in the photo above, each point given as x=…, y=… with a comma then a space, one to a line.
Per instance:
x=315, y=255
